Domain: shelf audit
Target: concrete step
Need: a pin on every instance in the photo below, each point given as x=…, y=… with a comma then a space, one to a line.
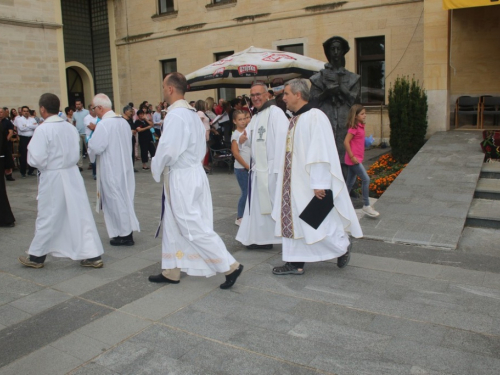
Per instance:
x=488, y=188
x=484, y=213
x=490, y=170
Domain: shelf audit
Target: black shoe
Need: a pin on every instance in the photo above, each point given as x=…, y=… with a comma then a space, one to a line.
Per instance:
x=260, y=247
x=343, y=260
x=23, y=175
x=135, y=170
x=121, y=241
x=9, y=177
x=231, y=278
x=80, y=169
x=162, y=279
x=10, y=225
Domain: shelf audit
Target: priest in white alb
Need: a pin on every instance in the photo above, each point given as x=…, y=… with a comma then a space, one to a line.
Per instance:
x=64, y=225
x=311, y=168
x=189, y=243
x=267, y=134
x=110, y=148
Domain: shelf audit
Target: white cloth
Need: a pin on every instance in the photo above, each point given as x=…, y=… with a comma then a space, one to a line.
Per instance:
x=189, y=241
x=65, y=226
x=25, y=126
x=89, y=119
x=315, y=165
x=111, y=141
x=244, y=149
x=256, y=228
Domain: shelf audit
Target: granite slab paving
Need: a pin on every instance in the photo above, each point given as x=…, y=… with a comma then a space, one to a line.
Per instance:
x=396, y=309
x=428, y=203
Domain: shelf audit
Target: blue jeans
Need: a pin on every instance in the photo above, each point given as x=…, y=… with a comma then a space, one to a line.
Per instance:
x=358, y=170
x=242, y=177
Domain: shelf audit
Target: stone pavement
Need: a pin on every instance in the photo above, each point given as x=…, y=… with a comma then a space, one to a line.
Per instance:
x=428, y=203
x=396, y=309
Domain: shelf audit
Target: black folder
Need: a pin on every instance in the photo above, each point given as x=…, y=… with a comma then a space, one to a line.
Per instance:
x=317, y=210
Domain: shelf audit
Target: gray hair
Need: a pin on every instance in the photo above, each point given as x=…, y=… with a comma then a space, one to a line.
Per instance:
x=299, y=85
x=127, y=108
x=260, y=83
x=102, y=100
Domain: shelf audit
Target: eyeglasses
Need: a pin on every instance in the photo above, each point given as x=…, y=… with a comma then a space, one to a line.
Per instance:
x=93, y=108
x=256, y=95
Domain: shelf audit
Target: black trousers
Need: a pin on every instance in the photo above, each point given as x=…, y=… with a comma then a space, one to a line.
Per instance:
x=23, y=155
x=6, y=216
x=147, y=146
x=133, y=150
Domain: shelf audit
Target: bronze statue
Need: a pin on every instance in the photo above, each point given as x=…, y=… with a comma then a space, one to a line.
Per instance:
x=334, y=90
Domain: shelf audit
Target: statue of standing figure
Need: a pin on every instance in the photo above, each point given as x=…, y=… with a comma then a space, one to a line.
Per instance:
x=334, y=90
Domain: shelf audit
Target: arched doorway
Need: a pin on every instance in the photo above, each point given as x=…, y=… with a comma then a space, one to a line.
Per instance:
x=75, y=87
x=79, y=83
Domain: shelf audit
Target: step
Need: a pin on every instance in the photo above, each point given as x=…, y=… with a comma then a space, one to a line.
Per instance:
x=488, y=188
x=484, y=213
x=490, y=170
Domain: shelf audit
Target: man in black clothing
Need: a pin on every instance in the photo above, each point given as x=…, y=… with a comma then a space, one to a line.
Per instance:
x=143, y=126
x=8, y=128
x=6, y=217
x=128, y=114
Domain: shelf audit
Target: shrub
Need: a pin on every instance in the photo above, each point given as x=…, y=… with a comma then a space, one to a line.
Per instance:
x=408, y=118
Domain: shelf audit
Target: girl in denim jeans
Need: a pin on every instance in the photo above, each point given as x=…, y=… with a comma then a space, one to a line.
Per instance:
x=355, y=151
x=242, y=158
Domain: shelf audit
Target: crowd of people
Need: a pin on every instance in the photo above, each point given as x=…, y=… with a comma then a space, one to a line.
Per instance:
x=293, y=189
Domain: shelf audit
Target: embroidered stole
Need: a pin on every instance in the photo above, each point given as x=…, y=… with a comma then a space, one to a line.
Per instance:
x=261, y=167
x=286, y=200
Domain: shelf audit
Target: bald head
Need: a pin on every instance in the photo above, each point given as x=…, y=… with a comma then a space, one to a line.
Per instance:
x=174, y=87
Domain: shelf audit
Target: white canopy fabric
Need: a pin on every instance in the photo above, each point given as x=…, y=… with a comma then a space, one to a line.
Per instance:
x=457, y=4
x=253, y=64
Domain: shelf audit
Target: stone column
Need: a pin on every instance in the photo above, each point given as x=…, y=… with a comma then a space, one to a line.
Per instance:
x=436, y=67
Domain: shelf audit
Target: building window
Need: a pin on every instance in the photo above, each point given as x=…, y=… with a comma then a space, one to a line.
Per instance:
x=168, y=66
x=371, y=68
x=294, y=48
x=225, y=93
x=166, y=6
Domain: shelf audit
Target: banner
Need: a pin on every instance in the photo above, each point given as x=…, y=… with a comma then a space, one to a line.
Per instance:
x=457, y=4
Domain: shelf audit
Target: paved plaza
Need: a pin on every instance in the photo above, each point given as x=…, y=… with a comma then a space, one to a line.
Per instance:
x=396, y=309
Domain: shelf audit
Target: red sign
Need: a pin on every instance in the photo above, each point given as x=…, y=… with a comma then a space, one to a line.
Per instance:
x=276, y=57
x=219, y=72
x=247, y=70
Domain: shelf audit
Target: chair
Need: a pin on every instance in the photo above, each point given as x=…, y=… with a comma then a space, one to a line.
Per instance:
x=467, y=105
x=221, y=155
x=490, y=106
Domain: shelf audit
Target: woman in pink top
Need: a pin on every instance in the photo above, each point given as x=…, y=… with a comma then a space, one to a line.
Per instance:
x=355, y=151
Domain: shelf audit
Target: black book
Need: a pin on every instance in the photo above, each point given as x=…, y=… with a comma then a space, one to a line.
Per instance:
x=317, y=210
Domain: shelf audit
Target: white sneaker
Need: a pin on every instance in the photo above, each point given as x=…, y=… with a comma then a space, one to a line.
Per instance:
x=368, y=210
x=238, y=222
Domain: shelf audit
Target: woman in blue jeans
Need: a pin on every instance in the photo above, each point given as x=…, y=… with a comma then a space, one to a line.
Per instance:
x=241, y=155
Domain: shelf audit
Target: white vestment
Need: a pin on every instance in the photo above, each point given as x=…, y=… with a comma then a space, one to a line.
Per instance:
x=314, y=165
x=189, y=241
x=112, y=141
x=65, y=226
x=255, y=227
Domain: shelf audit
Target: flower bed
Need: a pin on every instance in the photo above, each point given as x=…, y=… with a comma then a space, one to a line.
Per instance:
x=382, y=173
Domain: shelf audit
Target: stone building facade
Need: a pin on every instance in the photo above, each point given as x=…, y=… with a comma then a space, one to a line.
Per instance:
x=128, y=46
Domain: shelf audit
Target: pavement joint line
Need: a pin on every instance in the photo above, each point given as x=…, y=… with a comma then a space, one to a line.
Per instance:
x=245, y=349
x=372, y=312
